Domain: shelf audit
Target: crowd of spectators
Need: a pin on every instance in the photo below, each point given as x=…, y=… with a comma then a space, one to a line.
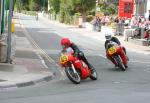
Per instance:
x=140, y=24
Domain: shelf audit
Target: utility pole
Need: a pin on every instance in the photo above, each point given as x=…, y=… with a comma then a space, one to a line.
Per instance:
x=8, y=60
x=0, y=15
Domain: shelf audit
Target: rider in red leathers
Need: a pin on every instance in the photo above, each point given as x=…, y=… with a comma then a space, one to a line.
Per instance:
x=65, y=43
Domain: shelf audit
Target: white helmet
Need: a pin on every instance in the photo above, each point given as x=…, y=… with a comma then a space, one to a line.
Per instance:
x=108, y=36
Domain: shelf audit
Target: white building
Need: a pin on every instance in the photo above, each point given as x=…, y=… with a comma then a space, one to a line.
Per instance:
x=147, y=9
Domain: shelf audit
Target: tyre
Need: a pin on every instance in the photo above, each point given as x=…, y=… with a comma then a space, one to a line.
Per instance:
x=94, y=75
x=74, y=77
x=120, y=63
x=123, y=68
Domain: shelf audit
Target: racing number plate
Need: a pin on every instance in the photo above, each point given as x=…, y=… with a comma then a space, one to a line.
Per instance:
x=112, y=50
x=63, y=59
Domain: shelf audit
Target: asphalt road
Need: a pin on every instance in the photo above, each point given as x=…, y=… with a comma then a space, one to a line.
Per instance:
x=113, y=85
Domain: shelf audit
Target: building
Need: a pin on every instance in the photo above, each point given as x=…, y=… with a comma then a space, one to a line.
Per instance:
x=147, y=9
x=126, y=8
x=140, y=7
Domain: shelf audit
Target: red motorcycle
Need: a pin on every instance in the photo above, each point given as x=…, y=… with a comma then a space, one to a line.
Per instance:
x=117, y=55
x=76, y=70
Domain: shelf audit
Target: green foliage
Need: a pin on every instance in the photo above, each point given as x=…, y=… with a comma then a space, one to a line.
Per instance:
x=89, y=18
x=66, y=9
x=83, y=5
x=54, y=6
x=34, y=5
x=33, y=13
x=43, y=5
x=77, y=14
x=108, y=8
x=71, y=7
x=62, y=17
x=22, y=4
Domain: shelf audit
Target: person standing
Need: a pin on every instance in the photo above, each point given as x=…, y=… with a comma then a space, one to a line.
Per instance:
x=98, y=24
x=149, y=15
x=36, y=16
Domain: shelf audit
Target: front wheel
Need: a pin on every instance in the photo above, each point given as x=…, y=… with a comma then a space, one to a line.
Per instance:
x=120, y=63
x=94, y=75
x=74, y=77
x=123, y=68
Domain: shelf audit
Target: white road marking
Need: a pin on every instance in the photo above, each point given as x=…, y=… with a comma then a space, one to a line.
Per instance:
x=102, y=56
x=140, y=62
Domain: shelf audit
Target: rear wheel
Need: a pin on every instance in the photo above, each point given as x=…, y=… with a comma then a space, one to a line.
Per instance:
x=74, y=77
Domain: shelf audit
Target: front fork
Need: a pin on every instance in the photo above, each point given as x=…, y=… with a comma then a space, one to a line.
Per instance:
x=74, y=70
x=116, y=60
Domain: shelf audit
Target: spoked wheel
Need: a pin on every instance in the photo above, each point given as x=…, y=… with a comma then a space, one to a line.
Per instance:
x=94, y=75
x=123, y=68
x=74, y=77
x=120, y=63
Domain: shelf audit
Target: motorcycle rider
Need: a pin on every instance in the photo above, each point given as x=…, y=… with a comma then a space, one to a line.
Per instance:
x=110, y=38
x=65, y=43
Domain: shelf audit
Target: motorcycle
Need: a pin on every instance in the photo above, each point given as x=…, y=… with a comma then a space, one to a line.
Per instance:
x=75, y=69
x=116, y=53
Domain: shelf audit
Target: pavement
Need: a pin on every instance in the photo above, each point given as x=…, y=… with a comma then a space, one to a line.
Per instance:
x=28, y=67
x=101, y=36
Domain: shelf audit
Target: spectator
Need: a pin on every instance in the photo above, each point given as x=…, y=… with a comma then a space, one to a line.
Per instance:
x=98, y=23
x=107, y=20
x=93, y=22
x=134, y=22
x=127, y=21
x=116, y=20
x=149, y=15
x=103, y=20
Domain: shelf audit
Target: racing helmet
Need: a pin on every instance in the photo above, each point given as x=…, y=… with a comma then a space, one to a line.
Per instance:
x=108, y=36
x=65, y=42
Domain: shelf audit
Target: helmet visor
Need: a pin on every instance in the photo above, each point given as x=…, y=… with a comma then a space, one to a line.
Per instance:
x=108, y=37
x=64, y=46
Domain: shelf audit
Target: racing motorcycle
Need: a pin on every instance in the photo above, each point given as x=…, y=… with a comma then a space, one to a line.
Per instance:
x=117, y=54
x=75, y=69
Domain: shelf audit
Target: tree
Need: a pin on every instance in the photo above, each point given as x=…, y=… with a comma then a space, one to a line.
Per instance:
x=44, y=5
x=83, y=6
x=66, y=11
x=54, y=6
x=34, y=5
x=108, y=8
x=22, y=4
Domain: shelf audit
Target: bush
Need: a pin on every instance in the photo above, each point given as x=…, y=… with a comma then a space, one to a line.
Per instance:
x=77, y=14
x=89, y=18
x=29, y=12
x=62, y=17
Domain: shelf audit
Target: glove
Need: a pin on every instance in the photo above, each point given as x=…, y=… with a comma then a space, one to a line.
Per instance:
x=76, y=54
x=81, y=54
